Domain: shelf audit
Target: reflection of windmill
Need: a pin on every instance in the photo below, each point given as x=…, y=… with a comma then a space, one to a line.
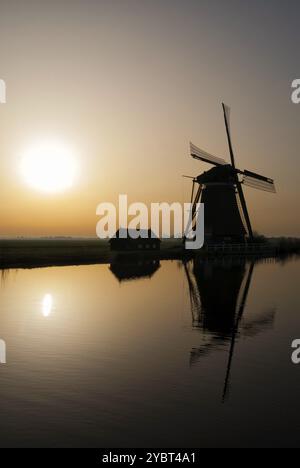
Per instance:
x=218, y=294
x=220, y=189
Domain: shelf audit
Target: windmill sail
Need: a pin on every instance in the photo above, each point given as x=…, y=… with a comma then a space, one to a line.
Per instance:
x=226, y=111
x=227, y=115
x=257, y=181
x=259, y=184
x=245, y=209
x=258, y=176
x=198, y=153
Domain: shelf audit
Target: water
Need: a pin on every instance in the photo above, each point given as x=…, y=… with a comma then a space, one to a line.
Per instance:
x=170, y=356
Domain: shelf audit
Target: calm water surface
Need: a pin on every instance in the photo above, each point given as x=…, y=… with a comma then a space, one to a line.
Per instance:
x=168, y=355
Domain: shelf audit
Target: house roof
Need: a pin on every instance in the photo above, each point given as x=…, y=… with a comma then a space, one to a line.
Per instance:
x=128, y=233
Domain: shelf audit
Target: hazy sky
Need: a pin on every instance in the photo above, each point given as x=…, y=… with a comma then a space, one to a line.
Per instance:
x=127, y=84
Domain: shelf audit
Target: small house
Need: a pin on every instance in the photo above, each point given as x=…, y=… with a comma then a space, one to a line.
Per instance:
x=146, y=242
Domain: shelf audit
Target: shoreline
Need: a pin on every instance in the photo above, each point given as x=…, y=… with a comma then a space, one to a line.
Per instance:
x=37, y=253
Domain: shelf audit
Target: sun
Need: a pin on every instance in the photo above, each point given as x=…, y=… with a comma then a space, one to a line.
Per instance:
x=49, y=166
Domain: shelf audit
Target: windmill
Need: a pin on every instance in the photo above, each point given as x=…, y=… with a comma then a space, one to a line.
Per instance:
x=220, y=189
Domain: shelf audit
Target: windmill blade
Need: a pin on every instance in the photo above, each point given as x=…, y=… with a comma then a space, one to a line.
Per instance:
x=198, y=153
x=226, y=111
x=192, y=196
x=194, y=202
x=259, y=184
x=258, y=176
x=258, y=181
x=244, y=208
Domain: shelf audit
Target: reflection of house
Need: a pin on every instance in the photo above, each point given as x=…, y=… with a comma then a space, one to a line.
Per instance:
x=122, y=240
x=126, y=270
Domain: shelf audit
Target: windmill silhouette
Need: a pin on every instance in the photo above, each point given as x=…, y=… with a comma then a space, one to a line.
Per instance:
x=220, y=189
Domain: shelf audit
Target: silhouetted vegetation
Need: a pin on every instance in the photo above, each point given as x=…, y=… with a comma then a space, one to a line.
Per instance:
x=259, y=238
x=285, y=244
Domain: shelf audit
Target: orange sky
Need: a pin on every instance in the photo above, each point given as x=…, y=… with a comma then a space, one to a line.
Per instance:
x=128, y=84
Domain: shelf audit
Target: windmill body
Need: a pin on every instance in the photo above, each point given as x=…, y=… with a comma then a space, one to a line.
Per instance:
x=219, y=195
x=220, y=190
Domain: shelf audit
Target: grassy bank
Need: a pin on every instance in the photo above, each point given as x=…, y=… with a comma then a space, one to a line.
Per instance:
x=17, y=253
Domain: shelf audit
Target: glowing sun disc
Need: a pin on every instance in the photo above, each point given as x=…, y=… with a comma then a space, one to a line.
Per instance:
x=49, y=167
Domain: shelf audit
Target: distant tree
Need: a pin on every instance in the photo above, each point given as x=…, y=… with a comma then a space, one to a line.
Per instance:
x=259, y=238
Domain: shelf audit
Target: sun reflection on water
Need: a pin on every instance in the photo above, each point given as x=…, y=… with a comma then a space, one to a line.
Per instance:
x=47, y=305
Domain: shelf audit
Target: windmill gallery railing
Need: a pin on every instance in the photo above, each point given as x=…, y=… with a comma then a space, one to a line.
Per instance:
x=250, y=248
